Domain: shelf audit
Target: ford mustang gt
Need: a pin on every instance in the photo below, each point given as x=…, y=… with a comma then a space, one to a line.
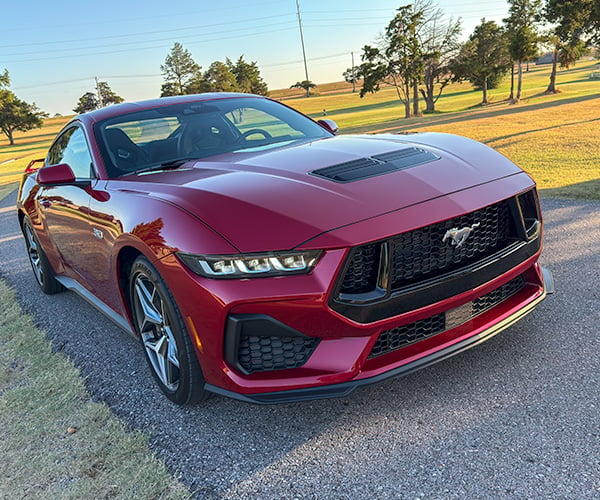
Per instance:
x=255, y=254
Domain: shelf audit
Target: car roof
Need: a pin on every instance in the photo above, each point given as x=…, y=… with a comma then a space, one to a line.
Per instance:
x=130, y=107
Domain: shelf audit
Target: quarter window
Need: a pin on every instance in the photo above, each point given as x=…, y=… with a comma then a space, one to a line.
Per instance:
x=71, y=148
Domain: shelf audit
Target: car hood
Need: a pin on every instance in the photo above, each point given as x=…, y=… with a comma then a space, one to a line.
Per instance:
x=272, y=199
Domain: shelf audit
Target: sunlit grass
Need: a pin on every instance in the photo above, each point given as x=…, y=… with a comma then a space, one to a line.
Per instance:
x=28, y=146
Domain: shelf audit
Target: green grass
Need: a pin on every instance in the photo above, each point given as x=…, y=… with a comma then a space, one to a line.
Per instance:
x=56, y=442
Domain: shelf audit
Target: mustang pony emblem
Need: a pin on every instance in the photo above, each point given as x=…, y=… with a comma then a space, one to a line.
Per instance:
x=459, y=236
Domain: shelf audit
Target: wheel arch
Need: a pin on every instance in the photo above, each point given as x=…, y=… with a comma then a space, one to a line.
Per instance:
x=125, y=259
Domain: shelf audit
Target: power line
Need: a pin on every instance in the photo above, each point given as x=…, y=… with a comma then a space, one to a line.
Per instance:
x=157, y=75
x=239, y=31
x=142, y=33
x=87, y=54
x=28, y=27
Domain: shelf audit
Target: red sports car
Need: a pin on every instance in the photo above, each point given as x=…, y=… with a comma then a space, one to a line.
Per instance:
x=258, y=255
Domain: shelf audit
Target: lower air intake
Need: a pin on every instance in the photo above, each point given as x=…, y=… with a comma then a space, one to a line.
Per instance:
x=259, y=354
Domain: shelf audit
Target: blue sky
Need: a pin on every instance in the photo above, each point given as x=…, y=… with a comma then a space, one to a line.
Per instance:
x=53, y=50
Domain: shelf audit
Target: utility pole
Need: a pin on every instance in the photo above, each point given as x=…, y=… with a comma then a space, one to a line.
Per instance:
x=303, y=50
x=100, y=103
x=353, y=74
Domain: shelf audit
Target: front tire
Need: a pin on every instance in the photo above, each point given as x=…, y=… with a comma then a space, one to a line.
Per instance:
x=167, y=344
x=42, y=270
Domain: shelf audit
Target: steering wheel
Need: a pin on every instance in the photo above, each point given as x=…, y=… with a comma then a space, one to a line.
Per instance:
x=253, y=131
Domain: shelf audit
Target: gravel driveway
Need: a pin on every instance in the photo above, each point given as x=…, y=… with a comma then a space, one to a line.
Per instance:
x=517, y=417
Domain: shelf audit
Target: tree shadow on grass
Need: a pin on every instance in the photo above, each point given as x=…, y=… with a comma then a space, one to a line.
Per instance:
x=358, y=109
x=30, y=147
x=461, y=116
x=533, y=131
x=588, y=190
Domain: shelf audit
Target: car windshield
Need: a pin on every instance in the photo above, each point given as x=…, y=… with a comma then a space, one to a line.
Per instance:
x=164, y=137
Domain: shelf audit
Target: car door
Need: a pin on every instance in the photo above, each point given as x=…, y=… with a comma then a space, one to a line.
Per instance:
x=65, y=207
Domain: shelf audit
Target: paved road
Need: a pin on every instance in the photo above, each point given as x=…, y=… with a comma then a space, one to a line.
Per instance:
x=517, y=417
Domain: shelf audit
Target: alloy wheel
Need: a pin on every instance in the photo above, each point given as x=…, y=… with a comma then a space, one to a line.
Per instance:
x=34, y=254
x=154, y=326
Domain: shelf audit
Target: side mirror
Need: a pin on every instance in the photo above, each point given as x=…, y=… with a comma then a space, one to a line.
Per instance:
x=328, y=125
x=57, y=175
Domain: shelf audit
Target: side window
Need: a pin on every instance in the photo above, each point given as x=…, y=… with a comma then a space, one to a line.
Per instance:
x=71, y=148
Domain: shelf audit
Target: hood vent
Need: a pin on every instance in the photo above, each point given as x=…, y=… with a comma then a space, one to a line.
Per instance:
x=373, y=166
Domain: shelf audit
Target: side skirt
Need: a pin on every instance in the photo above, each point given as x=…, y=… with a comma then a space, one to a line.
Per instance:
x=91, y=299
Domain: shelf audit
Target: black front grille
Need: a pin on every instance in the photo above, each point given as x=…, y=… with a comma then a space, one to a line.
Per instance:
x=361, y=275
x=430, y=251
x=396, y=338
x=258, y=353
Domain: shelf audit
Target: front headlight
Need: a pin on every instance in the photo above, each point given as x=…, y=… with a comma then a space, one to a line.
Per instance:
x=259, y=265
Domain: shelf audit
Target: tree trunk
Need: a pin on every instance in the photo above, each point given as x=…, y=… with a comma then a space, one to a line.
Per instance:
x=519, y=80
x=428, y=92
x=416, y=110
x=511, y=97
x=552, y=85
x=11, y=139
x=485, y=102
x=429, y=99
x=407, y=100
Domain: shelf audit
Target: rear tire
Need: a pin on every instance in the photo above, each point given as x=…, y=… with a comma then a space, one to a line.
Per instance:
x=167, y=345
x=42, y=270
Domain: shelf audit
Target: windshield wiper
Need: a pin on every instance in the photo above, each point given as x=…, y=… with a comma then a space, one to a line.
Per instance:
x=166, y=165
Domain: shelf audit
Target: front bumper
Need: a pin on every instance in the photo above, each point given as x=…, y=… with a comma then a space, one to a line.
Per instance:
x=345, y=388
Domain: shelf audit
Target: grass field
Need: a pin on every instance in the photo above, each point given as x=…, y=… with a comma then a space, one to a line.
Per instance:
x=56, y=442
x=553, y=137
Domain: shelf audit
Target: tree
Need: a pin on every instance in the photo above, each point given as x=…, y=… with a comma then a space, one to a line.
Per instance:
x=352, y=75
x=106, y=95
x=593, y=25
x=248, y=77
x=414, y=55
x=571, y=21
x=4, y=79
x=87, y=102
x=483, y=59
x=523, y=37
x=398, y=59
x=439, y=41
x=179, y=71
x=219, y=78
x=304, y=84
x=16, y=114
